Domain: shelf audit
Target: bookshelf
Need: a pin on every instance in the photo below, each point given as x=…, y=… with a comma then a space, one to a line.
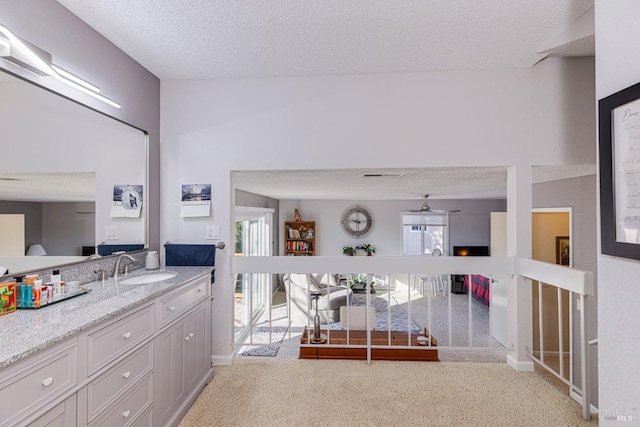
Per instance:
x=300, y=238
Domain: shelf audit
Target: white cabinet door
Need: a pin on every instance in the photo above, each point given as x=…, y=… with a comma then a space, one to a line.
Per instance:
x=198, y=346
x=169, y=371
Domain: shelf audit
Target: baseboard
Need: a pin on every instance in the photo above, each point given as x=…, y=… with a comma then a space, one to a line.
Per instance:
x=519, y=365
x=578, y=398
x=221, y=360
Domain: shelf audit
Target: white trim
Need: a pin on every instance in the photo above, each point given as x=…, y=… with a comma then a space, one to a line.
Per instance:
x=253, y=209
x=221, y=360
x=519, y=365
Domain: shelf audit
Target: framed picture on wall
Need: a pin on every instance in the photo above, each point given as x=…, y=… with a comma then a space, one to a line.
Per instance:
x=619, y=149
x=562, y=250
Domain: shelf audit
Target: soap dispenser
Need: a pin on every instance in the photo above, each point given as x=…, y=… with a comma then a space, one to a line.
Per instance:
x=152, y=261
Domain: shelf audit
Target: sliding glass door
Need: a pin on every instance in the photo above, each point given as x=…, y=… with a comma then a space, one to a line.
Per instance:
x=253, y=237
x=423, y=233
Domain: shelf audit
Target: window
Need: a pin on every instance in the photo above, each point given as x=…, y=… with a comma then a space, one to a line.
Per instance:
x=422, y=233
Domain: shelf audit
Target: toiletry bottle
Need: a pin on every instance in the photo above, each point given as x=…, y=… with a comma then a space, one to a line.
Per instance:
x=28, y=294
x=49, y=287
x=21, y=291
x=44, y=294
x=31, y=282
x=40, y=293
x=55, y=282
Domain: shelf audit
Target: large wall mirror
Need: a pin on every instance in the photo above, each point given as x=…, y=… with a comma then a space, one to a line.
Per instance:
x=72, y=182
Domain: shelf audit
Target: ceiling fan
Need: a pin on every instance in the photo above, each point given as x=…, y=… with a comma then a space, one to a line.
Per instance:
x=425, y=208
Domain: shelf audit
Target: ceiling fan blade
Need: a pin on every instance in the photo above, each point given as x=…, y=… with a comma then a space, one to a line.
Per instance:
x=425, y=208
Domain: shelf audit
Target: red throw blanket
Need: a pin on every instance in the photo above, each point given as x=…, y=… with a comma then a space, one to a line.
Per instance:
x=480, y=288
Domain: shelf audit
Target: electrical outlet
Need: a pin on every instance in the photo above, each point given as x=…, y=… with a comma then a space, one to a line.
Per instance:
x=213, y=232
x=111, y=232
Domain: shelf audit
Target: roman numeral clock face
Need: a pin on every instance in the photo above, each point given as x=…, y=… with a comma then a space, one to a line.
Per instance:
x=357, y=221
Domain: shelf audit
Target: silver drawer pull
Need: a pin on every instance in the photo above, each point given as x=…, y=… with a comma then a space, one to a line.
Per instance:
x=47, y=381
x=191, y=335
x=126, y=413
x=126, y=375
x=172, y=308
x=126, y=335
x=187, y=338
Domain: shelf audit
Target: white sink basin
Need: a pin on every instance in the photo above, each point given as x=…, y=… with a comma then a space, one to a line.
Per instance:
x=147, y=278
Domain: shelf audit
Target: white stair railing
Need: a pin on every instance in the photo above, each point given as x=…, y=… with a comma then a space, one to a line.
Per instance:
x=576, y=282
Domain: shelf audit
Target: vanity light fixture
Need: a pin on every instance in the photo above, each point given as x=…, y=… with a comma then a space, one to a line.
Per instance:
x=70, y=76
x=38, y=61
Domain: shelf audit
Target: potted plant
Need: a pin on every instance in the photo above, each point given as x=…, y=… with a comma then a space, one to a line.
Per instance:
x=358, y=283
x=367, y=248
x=348, y=251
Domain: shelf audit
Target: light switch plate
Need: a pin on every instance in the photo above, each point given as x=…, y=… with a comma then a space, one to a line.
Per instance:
x=111, y=232
x=213, y=232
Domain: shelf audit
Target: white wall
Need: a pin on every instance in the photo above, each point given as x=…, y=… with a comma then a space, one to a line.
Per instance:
x=617, y=67
x=468, y=227
x=563, y=111
x=211, y=128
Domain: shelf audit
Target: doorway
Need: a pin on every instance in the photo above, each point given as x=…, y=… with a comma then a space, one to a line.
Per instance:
x=253, y=237
x=551, y=243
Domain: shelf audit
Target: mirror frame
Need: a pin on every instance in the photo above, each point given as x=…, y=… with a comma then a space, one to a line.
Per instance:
x=145, y=183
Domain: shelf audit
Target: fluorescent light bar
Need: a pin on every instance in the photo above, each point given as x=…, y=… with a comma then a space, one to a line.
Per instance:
x=69, y=76
x=38, y=61
x=26, y=55
x=87, y=91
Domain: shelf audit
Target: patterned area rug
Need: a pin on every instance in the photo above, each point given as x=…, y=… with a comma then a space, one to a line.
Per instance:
x=394, y=320
x=265, y=335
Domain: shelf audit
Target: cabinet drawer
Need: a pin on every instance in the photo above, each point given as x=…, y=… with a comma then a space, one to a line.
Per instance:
x=109, y=342
x=182, y=300
x=145, y=420
x=62, y=415
x=110, y=385
x=129, y=406
x=37, y=381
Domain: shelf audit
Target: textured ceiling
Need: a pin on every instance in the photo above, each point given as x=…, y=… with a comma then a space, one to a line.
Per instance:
x=203, y=39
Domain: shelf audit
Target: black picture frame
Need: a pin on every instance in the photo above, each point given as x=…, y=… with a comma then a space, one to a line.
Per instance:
x=563, y=251
x=610, y=186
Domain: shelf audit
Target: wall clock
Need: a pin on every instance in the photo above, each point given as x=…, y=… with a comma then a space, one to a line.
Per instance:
x=357, y=221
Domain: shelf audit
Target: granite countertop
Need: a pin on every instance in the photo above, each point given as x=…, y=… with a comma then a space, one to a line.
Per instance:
x=28, y=331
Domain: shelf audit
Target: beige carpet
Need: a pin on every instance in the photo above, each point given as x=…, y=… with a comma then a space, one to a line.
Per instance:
x=275, y=392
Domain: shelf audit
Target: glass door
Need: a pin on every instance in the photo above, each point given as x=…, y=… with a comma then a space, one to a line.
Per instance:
x=253, y=237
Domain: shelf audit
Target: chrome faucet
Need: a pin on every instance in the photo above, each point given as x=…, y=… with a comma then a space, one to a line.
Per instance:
x=116, y=270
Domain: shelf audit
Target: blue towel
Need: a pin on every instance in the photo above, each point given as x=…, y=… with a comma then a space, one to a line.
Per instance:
x=190, y=255
x=105, y=250
x=185, y=255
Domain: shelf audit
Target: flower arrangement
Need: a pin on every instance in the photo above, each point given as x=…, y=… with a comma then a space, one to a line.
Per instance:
x=369, y=249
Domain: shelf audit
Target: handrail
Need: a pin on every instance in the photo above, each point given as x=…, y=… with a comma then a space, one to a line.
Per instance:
x=375, y=264
x=570, y=279
x=575, y=281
